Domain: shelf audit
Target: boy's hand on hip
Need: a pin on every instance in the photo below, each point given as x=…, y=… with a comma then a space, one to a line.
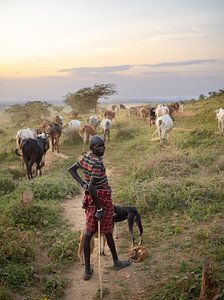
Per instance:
x=85, y=186
x=99, y=214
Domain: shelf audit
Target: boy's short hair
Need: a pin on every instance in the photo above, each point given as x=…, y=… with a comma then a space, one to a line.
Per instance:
x=96, y=140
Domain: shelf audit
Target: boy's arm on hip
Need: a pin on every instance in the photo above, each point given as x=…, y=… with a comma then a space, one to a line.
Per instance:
x=93, y=192
x=73, y=171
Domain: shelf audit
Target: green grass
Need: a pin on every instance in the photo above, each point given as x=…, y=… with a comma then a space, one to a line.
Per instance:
x=179, y=190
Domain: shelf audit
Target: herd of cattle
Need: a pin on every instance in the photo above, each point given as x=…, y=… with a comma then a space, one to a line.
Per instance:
x=35, y=143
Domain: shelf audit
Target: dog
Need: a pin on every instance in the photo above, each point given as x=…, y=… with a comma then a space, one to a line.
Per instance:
x=138, y=253
x=121, y=213
x=131, y=214
x=92, y=245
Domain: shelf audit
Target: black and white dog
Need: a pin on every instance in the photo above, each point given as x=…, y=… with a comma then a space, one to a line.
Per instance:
x=131, y=214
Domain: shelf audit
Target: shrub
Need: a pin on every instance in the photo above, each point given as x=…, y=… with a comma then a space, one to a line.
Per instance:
x=125, y=134
x=48, y=188
x=4, y=294
x=7, y=185
x=71, y=137
x=15, y=245
x=8, y=156
x=15, y=173
x=198, y=137
x=65, y=248
x=163, y=194
x=2, y=132
x=125, y=131
x=54, y=287
x=33, y=216
x=15, y=275
x=8, y=199
x=187, y=287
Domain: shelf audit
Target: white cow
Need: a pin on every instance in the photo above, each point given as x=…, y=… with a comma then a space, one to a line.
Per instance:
x=93, y=121
x=74, y=124
x=220, y=118
x=164, y=124
x=161, y=110
x=106, y=125
x=24, y=134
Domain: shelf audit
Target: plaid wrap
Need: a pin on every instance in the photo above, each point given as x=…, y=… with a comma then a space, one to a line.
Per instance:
x=106, y=224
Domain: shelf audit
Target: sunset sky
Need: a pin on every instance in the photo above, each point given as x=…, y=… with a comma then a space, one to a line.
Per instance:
x=148, y=49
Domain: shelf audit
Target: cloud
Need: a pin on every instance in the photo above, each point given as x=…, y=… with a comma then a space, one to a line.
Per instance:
x=97, y=70
x=181, y=63
x=121, y=68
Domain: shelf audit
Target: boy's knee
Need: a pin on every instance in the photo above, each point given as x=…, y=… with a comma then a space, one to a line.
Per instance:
x=109, y=235
x=88, y=235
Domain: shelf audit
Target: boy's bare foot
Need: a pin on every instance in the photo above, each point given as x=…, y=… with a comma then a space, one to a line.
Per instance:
x=119, y=264
x=88, y=274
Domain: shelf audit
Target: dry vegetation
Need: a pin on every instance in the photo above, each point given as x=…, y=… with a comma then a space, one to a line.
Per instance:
x=179, y=190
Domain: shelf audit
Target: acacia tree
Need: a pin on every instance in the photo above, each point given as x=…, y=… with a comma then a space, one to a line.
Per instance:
x=87, y=98
x=30, y=112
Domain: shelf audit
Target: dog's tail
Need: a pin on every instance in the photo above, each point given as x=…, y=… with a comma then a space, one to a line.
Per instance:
x=138, y=222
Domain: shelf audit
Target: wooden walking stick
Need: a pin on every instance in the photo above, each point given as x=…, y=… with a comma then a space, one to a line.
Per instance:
x=100, y=275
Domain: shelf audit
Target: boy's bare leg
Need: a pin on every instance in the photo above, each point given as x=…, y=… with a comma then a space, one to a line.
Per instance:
x=88, y=270
x=118, y=264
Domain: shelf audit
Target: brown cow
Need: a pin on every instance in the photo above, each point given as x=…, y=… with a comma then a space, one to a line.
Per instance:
x=144, y=112
x=109, y=114
x=152, y=115
x=122, y=106
x=54, y=132
x=86, y=132
x=134, y=111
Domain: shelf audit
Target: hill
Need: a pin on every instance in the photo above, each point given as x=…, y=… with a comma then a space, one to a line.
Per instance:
x=178, y=188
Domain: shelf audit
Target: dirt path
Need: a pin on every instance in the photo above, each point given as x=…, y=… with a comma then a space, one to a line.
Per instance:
x=80, y=289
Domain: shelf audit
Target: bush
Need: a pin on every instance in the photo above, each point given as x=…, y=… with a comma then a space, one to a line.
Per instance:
x=15, y=275
x=65, y=248
x=8, y=156
x=15, y=245
x=54, y=287
x=186, y=287
x=33, y=216
x=4, y=294
x=7, y=177
x=48, y=188
x=7, y=185
x=125, y=134
x=125, y=131
x=71, y=137
x=198, y=137
x=162, y=194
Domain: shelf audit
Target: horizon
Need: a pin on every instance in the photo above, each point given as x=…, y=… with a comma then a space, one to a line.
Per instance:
x=153, y=50
x=104, y=101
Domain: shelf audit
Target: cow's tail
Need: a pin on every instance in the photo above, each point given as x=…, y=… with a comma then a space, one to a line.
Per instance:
x=138, y=222
x=158, y=129
x=17, y=152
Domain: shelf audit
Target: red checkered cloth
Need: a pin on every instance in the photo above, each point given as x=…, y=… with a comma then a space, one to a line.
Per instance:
x=106, y=224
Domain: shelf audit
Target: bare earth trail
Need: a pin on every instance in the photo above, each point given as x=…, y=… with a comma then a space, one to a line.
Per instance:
x=79, y=288
x=86, y=290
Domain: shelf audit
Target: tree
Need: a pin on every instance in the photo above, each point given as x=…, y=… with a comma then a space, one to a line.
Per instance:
x=201, y=97
x=87, y=98
x=30, y=112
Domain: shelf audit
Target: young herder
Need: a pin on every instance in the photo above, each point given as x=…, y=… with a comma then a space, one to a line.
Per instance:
x=97, y=201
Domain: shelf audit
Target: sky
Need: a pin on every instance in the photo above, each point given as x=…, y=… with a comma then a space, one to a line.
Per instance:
x=148, y=49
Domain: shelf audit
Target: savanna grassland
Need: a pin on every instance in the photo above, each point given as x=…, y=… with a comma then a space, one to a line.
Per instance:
x=178, y=188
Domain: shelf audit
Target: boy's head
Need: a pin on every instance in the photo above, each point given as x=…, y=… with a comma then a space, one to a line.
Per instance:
x=97, y=145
